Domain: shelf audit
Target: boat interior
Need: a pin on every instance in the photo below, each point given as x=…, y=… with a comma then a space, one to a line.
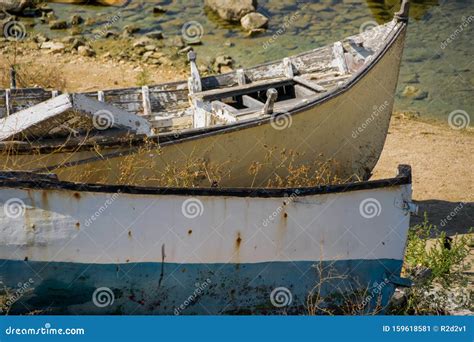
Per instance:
x=268, y=89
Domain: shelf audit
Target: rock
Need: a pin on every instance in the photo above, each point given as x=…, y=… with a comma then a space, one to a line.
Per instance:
x=399, y=299
x=223, y=63
x=142, y=42
x=130, y=30
x=76, y=20
x=58, y=25
x=15, y=6
x=155, y=35
x=421, y=274
x=415, y=93
x=150, y=47
x=53, y=46
x=77, y=43
x=232, y=10
x=159, y=9
x=254, y=21
x=40, y=38
x=68, y=39
x=176, y=41
x=86, y=51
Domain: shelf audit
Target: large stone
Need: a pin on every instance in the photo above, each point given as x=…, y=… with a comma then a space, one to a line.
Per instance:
x=85, y=51
x=254, y=21
x=232, y=10
x=15, y=6
x=53, y=46
x=58, y=25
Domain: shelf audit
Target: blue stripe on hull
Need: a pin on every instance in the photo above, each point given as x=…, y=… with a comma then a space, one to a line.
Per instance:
x=167, y=288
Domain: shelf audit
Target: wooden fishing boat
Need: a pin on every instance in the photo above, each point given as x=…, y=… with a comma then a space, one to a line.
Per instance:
x=331, y=103
x=102, y=249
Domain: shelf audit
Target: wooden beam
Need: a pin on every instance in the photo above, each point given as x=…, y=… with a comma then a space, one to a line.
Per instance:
x=240, y=75
x=250, y=102
x=66, y=113
x=288, y=67
x=146, y=100
x=7, y=101
x=309, y=84
x=339, y=58
x=224, y=111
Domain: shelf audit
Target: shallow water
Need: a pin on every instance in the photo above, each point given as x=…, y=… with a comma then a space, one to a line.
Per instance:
x=440, y=71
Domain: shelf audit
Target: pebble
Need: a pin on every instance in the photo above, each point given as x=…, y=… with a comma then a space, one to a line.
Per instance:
x=58, y=25
x=85, y=51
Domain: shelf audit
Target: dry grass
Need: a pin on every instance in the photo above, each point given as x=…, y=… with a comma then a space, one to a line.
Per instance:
x=31, y=74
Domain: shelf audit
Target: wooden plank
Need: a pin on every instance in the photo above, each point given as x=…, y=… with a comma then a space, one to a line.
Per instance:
x=339, y=58
x=240, y=75
x=146, y=100
x=68, y=113
x=224, y=111
x=250, y=102
x=216, y=94
x=309, y=84
x=288, y=68
x=7, y=101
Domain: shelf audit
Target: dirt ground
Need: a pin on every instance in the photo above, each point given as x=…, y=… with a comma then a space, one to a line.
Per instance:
x=442, y=160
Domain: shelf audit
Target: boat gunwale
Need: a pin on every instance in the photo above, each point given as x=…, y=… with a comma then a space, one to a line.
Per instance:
x=191, y=134
x=50, y=182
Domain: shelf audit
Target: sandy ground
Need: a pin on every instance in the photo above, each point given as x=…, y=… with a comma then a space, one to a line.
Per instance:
x=442, y=160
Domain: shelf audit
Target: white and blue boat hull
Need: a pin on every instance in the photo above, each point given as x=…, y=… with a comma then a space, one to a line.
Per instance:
x=92, y=249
